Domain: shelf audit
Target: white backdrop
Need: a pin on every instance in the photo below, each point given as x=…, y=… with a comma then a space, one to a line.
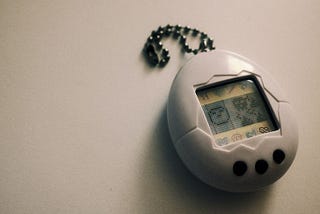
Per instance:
x=82, y=119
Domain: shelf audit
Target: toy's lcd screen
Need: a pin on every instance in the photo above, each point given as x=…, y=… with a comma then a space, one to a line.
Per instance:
x=236, y=110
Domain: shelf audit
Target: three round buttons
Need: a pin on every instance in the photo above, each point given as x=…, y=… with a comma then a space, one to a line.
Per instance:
x=261, y=166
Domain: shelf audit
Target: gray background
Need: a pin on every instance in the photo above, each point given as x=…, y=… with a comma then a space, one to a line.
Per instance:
x=82, y=118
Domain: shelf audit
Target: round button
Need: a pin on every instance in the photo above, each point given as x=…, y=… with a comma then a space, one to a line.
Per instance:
x=239, y=168
x=261, y=166
x=278, y=156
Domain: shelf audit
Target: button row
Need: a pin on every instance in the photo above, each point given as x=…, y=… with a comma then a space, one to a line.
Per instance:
x=261, y=166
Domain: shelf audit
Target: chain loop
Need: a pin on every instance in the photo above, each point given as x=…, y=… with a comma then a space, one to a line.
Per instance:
x=157, y=55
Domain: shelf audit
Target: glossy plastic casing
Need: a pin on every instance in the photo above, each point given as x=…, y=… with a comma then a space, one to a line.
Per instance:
x=192, y=137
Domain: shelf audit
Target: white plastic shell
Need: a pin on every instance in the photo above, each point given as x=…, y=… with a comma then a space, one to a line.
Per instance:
x=192, y=137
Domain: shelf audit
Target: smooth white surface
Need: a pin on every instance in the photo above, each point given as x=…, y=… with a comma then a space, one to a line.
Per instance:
x=82, y=118
x=192, y=136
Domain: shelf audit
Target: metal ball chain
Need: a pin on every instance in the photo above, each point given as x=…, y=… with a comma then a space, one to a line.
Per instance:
x=156, y=55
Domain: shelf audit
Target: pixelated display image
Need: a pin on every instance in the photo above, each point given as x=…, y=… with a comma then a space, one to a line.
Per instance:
x=235, y=111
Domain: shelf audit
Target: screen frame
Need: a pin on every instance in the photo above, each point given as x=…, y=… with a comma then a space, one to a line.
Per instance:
x=260, y=90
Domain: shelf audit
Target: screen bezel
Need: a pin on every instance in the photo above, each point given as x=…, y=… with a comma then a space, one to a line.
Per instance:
x=261, y=92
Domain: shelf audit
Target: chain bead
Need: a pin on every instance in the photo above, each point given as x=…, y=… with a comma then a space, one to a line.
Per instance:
x=157, y=37
x=195, y=51
x=159, y=45
x=186, y=48
x=210, y=44
x=203, y=35
x=186, y=29
x=150, y=39
x=165, y=52
x=183, y=39
x=202, y=45
x=195, y=32
x=176, y=34
x=177, y=27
